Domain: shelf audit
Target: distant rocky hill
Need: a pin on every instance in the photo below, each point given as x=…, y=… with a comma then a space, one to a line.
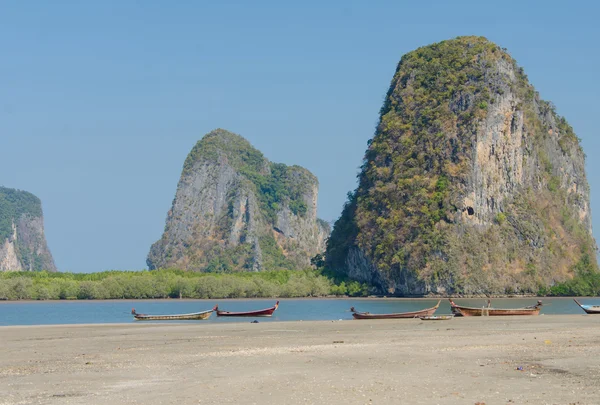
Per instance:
x=234, y=210
x=22, y=240
x=472, y=183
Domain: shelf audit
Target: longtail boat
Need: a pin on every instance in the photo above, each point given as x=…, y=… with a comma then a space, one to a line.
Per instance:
x=260, y=312
x=589, y=309
x=489, y=311
x=455, y=311
x=174, y=317
x=399, y=315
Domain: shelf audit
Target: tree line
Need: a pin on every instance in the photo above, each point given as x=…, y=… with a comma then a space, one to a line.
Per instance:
x=158, y=284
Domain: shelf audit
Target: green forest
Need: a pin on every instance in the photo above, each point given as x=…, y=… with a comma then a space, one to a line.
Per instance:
x=159, y=284
x=173, y=284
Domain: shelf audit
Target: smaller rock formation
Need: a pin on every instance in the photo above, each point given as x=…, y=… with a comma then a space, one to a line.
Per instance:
x=236, y=211
x=22, y=241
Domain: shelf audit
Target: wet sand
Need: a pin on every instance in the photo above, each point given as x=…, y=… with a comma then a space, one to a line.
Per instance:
x=461, y=361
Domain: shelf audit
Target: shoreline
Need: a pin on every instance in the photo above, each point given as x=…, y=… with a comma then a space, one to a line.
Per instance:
x=201, y=324
x=495, y=360
x=307, y=298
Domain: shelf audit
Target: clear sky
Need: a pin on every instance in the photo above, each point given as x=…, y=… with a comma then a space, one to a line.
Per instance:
x=100, y=102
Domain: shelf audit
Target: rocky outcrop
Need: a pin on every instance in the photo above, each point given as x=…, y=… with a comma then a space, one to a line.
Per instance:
x=236, y=211
x=471, y=185
x=22, y=241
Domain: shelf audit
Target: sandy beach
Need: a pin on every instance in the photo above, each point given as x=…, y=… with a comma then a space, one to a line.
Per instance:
x=520, y=360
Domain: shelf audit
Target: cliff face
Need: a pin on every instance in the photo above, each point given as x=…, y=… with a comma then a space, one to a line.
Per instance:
x=22, y=241
x=236, y=211
x=471, y=185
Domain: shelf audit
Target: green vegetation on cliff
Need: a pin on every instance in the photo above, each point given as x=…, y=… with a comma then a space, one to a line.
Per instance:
x=171, y=284
x=411, y=215
x=403, y=191
x=586, y=281
x=14, y=204
x=275, y=183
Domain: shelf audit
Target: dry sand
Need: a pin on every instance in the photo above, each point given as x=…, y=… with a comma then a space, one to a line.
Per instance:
x=461, y=361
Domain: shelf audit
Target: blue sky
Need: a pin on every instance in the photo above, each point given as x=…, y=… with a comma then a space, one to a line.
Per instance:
x=102, y=101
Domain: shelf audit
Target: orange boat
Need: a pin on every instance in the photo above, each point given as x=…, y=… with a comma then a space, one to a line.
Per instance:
x=399, y=315
x=489, y=311
x=260, y=312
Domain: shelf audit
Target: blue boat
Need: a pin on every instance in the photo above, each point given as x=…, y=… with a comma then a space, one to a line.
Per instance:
x=589, y=309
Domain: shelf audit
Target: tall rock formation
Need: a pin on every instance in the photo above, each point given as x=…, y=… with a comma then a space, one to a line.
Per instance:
x=22, y=240
x=471, y=185
x=236, y=211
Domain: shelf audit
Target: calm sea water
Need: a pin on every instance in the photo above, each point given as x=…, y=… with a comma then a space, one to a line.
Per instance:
x=76, y=312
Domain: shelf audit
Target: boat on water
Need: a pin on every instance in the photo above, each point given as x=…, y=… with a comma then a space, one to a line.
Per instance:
x=399, y=315
x=173, y=317
x=489, y=311
x=589, y=309
x=260, y=312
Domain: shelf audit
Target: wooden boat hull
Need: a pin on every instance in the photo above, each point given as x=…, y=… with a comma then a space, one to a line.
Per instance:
x=487, y=311
x=261, y=312
x=436, y=318
x=175, y=317
x=589, y=309
x=401, y=315
x=455, y=311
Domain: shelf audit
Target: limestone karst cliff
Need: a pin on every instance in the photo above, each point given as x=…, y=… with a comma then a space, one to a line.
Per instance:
x=472, y=183
x=22, y=240
x=234, y=210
